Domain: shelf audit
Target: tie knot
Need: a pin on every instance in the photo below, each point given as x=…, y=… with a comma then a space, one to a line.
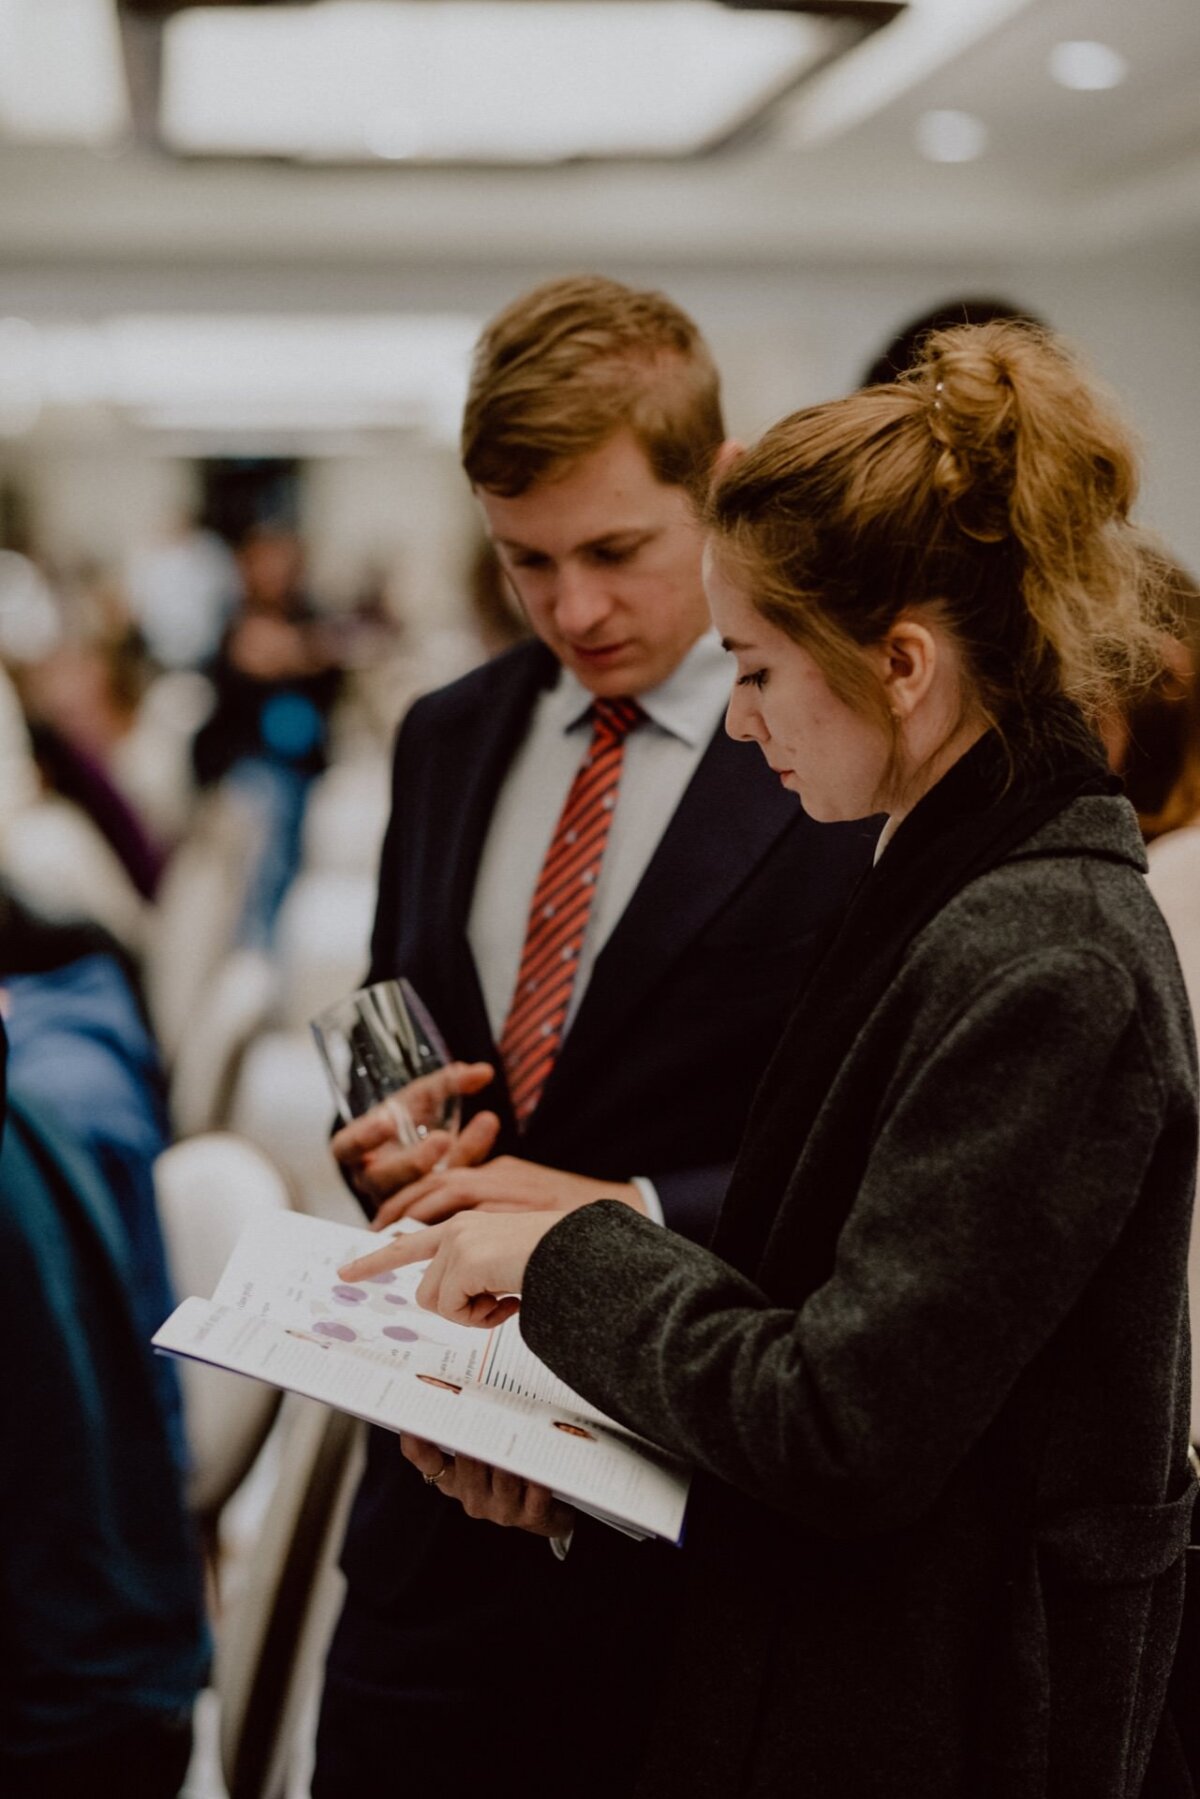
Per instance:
x=613, y=720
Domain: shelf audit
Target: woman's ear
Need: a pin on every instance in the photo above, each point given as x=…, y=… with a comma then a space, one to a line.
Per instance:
x=909, y=654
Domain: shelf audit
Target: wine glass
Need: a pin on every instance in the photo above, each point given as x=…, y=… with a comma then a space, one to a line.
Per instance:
x=380, y=1047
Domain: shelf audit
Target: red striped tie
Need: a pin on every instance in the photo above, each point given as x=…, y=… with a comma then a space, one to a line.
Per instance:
x=562, y=901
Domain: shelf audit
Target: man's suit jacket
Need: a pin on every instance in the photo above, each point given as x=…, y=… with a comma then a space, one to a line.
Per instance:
x=689, y=993
x=655, y=1077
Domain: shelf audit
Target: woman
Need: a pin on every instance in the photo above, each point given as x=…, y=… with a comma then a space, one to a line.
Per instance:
x=933, y=1370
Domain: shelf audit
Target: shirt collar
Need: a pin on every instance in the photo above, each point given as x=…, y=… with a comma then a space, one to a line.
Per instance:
x=686, y=705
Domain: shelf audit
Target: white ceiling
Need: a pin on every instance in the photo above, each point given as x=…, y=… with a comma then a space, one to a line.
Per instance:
x=1065, y=173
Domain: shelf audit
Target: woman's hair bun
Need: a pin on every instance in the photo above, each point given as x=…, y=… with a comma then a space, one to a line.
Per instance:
x=972, y=415
x=993, y=480
x=1019, y=427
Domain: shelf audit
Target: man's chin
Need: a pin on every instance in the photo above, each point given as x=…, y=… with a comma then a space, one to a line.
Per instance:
x=609, y=677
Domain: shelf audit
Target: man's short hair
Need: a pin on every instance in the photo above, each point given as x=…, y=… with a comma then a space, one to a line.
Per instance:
x=564, y=368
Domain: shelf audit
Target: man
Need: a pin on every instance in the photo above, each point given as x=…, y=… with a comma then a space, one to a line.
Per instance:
x=603, y=899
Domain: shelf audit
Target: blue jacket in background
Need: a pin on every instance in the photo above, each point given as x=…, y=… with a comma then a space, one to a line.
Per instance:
x=101, y=1602
x=80, y=1047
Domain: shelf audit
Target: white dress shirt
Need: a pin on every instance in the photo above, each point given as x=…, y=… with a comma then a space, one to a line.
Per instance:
x=661, y=756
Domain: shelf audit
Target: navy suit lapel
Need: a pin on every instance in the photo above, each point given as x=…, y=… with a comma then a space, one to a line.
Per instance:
x=475, y=753
x=727, y=820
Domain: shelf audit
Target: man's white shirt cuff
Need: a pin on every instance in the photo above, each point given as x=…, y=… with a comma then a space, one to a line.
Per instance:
x=650, y=1199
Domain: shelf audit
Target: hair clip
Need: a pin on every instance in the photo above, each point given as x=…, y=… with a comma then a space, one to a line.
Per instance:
x=937, y=396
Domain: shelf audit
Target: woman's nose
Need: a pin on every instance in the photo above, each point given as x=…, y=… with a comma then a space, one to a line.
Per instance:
x=743, y=722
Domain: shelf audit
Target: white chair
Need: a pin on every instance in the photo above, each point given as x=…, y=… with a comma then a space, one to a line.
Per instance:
x=208, y=1189
x=282, y=1102
x=322, y=941
x=57, y=859
x=347, y=815
x=19, y=778
x=271, y=1644
x=152, y=763
x=199, y=906
x=231, y=1010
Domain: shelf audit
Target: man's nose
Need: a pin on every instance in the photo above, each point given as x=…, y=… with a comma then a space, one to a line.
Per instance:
x=581, y=601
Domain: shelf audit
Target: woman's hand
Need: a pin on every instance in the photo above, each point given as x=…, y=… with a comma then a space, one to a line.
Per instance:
x=477, y=1263
x=486, y=1492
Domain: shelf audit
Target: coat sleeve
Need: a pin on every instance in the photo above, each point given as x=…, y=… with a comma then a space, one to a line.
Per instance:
x=1006, y=1164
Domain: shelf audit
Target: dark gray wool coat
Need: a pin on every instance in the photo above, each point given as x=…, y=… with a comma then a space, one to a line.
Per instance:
x=936, y=1545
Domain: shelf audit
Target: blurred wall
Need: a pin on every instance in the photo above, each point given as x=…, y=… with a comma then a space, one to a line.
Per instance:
x=785, y=336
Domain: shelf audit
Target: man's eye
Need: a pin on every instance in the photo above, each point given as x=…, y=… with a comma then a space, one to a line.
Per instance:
x=609, y=557
x=530, y=561
x=757, y=679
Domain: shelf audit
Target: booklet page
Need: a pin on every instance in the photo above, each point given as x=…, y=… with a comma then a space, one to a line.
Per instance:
x=281, y=1314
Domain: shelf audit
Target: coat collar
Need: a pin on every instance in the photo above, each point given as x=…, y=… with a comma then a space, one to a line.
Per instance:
x=1103, y=825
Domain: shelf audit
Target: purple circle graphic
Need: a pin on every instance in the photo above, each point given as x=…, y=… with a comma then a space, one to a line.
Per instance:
x=381, y=1280
x=400, y=1333
x=325, y=1328
x=349, y=1296
x=395, y=1299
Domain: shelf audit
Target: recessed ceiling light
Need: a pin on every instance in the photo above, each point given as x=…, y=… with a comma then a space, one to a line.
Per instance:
x=1087, y=66
x=949, y=136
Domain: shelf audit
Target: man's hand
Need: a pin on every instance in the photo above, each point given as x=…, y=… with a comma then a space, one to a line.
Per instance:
x=476, y=1263
x=379, y=1165
x=508, y=1184
x=485, y=1492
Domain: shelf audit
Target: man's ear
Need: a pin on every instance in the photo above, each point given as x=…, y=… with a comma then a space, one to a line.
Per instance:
x=726, y=456
x=510, y=588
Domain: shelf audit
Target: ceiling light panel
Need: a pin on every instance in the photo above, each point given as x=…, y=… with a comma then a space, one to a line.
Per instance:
x=478, y=80
x=62, y=79
x=246, y=371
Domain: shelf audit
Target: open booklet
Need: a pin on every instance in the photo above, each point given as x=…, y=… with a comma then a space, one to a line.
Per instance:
x=280, y=1314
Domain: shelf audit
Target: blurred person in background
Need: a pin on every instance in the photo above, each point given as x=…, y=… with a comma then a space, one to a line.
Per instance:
x=103, y=1642
x=1157, y=748
x=82, y=1049
x=932, y=1371
x=276, y=678
x=1155, y=745
x=579, y=857
x=103, y=1639
x=905, y=350
x=80, y=689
